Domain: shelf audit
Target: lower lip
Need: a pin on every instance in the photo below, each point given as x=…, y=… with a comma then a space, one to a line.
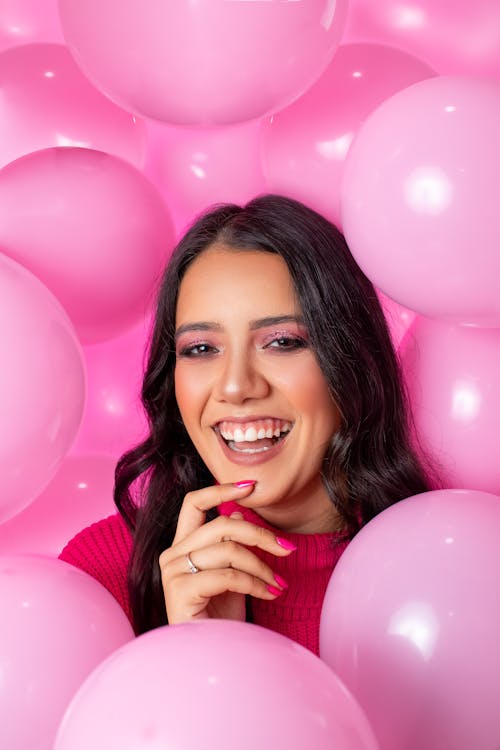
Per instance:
x=251, y=459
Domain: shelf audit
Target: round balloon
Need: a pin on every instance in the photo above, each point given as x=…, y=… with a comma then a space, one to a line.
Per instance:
x=212, y=62
x=251, y=688
x=419, y=198
x=198, y=167
x=453, y=379
x=93, y=228
x=411, y=617
x=47, y=101
x=114, y=419
x=25, y=21
x=455, y=38
x=57, y=625
x=80, y=494
x=42, y=386
x=305, y=145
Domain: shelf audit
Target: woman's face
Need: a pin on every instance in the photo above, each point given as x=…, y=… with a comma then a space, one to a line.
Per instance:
x=249, y=388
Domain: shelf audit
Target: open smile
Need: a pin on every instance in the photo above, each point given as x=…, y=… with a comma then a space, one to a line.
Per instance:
x=252, y=441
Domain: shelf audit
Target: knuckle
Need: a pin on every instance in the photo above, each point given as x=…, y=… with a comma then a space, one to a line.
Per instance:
x=231, y=548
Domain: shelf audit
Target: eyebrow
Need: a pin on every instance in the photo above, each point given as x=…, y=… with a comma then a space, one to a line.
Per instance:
x=255, y=325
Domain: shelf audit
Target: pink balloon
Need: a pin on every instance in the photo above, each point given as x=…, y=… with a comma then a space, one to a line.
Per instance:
x=419, y=199
x=57, y=625
x=42, y=386
x=47, y=101
x=411, y=617
x=212, y=62
x=195, y=168
x=456, y=37
x=114, y=420
x=453, y=378
x=93, y=228
x=292, y=700
x=81, y=493
x=398, y=318
x=25, y=21
x=305, y=145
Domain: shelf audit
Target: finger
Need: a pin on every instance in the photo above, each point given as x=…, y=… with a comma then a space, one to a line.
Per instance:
x=195, y=591
x=224, y=555
x=195, y=505
x=223, y=529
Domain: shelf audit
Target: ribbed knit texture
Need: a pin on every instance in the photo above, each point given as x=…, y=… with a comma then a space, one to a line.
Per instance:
x=103, y=551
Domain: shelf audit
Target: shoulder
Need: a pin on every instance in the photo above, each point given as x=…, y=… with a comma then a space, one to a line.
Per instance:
x=103, y=551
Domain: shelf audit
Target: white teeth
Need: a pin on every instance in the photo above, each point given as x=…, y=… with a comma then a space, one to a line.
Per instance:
x=251, y=434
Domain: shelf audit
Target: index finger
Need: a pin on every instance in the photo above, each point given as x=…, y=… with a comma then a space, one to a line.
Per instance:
x=194, y=508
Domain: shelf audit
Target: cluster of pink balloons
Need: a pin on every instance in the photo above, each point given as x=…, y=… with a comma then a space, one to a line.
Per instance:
x=119, y=122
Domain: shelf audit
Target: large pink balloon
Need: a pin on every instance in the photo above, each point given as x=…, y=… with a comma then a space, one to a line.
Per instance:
x=42, y=386
x=197, y=167
x=459, y=37
x=93, y=228
x=81, y=493
x=114, y=420
x=47, y=101
x=305, y=145
x=420, y=198
x=25, y=21
x=214, y=684
x=411, y=617
x=208, y=62
x=453, y=377
x=57, y=625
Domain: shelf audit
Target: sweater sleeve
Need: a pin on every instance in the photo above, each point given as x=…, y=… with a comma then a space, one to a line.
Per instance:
x=103, y=551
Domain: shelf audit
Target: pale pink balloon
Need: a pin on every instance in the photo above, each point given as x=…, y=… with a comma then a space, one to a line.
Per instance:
x=453, y=378
x=26, y=21
x=197, y=167
x=93, y=228
x=419, y=198
x=80, y=493
x=47, y=101
x=42, y=386
x=305, y=145
x=291, y=700
x=114, y=420
x=411, y=617
x=459, y=37
x=212, y=62
x=57, y=625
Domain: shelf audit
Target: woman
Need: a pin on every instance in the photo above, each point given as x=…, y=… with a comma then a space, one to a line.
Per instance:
x=278, y=427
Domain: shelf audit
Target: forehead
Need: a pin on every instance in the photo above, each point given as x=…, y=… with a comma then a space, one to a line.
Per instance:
x=233, y=281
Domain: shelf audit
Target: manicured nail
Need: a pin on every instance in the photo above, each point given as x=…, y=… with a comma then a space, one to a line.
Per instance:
x=244, y=483
x=280, y=581
x=273, y=590
x=285, y=543
x=237, y=516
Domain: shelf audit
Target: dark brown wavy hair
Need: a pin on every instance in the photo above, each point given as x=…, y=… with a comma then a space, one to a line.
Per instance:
x=370, y=462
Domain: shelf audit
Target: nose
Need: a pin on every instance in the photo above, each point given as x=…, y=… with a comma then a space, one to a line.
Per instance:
x=240, y=379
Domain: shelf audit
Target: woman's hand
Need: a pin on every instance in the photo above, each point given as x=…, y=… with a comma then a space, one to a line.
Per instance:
x=227, y=570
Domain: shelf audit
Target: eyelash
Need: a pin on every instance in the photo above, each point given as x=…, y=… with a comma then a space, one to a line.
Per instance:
x=189, y=351
x=294, y=342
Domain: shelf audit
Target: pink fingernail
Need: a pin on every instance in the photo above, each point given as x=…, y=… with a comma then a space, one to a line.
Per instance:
x=244, y=483
x=280, y=581
x=273, y=590
x=285, y=543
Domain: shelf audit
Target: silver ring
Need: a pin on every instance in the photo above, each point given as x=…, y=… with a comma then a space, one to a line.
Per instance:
x=192, y=566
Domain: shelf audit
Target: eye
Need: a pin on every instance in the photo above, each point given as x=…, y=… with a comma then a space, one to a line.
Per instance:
x=286, y=343
x=200, y=349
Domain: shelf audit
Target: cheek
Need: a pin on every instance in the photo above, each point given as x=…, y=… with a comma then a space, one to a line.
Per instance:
x=188, y=393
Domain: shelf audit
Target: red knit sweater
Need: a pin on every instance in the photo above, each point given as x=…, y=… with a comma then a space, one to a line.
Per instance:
x=103, y=550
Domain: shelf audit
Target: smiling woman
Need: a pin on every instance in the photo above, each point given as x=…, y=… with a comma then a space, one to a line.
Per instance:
x=278, y=427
